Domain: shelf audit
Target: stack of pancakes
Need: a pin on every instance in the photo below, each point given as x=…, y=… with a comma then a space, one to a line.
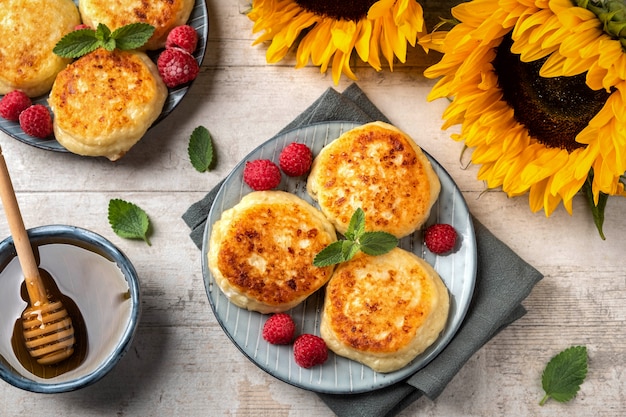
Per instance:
x=381, y=311
x=104, y=102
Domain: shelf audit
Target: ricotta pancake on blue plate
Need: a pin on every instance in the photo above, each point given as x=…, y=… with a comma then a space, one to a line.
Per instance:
x=104, y=102
x=29, y=30
x=164, y=15
x=261, y=251
x=380, y=169
x=383, y=311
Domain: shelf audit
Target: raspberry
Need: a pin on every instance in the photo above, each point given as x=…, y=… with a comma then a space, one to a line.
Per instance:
x=36, y=121
x=309, y=350
x=177, y=67
x=183, y=37
x=261, y=174
x=440, y=238
x=13, y=103
x=279, y=329
x=82, y=26
x=295, y=159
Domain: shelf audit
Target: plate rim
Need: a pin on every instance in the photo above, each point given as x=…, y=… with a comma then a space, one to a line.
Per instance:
x=319, y=389
x=177, y=93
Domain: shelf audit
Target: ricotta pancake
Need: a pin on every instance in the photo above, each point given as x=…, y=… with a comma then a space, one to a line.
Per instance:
x=27, y=62
x=384, y=310
x=164, y=15
x=104, y=102
x=380, y=169
x=261, y=251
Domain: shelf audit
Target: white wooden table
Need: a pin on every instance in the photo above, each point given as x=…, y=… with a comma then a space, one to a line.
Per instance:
x=182, y=364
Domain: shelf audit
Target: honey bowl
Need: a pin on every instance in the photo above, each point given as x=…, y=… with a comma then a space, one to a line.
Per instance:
x=98, y=285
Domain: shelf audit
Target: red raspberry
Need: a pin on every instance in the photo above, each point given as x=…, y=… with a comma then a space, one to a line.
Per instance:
x=261, y=174
x=440, y=238
x=36, y=121
x=82, y=26
x=295, y=159
x=13, y=103
x=279, y=329
x=309, y=350
x=177, y=67
x=184, y=37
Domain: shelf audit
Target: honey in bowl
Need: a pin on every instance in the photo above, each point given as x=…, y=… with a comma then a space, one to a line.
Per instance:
x=93, y=290
x=80, y=334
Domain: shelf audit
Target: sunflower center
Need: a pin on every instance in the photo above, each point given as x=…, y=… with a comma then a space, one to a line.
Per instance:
x=554, y=110
x=354, y=10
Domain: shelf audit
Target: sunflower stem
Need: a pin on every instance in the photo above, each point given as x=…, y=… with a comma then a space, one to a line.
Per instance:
x=597, y=210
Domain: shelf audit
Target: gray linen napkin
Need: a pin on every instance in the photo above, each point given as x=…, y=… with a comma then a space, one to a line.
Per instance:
x=503, y=281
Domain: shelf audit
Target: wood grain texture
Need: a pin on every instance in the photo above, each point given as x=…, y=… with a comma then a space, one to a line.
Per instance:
x=182, y=364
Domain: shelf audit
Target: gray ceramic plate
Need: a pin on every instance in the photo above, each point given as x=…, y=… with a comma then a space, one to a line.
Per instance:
x=339, y=375
x=199, y=20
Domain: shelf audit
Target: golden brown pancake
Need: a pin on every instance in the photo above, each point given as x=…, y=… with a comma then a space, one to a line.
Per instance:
x=29, y=30
x=380, y=169
x=104, y=102
x=164, y=15
x=261, y=251
x=384, y=310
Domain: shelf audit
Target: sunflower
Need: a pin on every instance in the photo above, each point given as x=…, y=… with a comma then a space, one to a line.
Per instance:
x=327, y=31
x=539, y=89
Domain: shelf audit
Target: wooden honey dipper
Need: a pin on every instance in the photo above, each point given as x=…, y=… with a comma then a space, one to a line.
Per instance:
x=48, y=329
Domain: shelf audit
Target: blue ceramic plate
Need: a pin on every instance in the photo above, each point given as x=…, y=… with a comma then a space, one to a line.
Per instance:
x=199, y=20
x=339, y=375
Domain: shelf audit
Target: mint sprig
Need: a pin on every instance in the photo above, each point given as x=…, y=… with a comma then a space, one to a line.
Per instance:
x=200, y=149
x=564, y=374
x=356, y=239
x=83, y=41
x=128, y=220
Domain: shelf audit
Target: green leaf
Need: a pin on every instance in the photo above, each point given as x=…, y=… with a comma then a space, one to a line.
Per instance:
x=349, y=249
x=563, y=375
x=377, y=243
x=357, y=239
x=330, y=255
x=80, y=42
x=132, y=36
x=597, y=211
x=76, y=44
x=356, y=227
x=200, y=149
x=128, y=220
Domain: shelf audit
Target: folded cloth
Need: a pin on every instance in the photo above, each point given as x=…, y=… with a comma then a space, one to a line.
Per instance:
x=503, y=281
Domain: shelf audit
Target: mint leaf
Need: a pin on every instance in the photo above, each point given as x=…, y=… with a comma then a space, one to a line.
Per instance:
x=132, y=36
x=377, y=243
x=77, y=43
x=200, y=149
x=356, y=227
x=128, y=220
x=563, y=375
x=330, y=255
x=81, y=42
x=349, y=249
x=357, y=239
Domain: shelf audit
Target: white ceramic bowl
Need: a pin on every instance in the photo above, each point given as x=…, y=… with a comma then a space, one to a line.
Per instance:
x=98, y=278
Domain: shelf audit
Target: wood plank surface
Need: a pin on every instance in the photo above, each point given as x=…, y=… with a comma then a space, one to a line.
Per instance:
x=181, y=363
